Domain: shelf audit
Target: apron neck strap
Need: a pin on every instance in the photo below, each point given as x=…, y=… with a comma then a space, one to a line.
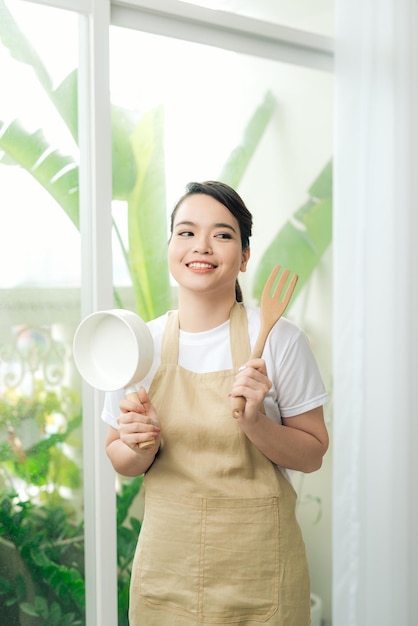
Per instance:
x=238, y=332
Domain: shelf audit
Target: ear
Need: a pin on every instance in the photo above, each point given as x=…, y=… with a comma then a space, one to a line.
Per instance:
x=245, y=257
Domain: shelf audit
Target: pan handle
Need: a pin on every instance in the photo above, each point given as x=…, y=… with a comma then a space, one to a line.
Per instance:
x=131, y=394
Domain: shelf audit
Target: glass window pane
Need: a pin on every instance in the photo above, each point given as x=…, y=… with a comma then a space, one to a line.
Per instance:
x=36, y=122
x=316, y=17
x=41, y=487
x=185, y=120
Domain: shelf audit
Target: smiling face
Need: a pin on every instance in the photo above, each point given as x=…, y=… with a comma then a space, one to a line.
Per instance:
x=205, y=252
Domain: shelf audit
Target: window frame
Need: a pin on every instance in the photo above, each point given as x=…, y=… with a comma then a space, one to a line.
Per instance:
x=229, y=31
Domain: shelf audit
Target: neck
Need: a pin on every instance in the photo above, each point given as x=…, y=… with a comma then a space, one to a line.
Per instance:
x=198, y=312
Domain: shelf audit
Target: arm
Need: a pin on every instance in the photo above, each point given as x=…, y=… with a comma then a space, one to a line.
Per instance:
x=299, y=444
x=137, y=424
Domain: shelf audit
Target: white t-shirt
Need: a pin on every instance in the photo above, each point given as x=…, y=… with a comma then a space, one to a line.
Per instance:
x=291, y=366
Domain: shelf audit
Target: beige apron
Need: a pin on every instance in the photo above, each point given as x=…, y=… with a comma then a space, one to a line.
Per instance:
x=219, y=542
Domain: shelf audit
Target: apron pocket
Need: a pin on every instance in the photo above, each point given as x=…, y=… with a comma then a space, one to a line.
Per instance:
x=240, y=560
x=166, y=567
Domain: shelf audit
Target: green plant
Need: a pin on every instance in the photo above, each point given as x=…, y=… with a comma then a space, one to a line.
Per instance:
x=128, y=528
x=43, y=462
x=46, y=546
x=43, y=549
x=41, y=533
x=304, y=238
x=41, y=537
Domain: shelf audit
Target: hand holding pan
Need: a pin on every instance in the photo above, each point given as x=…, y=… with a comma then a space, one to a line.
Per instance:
x=113, y=350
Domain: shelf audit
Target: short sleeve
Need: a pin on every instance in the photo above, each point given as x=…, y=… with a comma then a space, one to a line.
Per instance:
x=293, y=369
x=111, y=407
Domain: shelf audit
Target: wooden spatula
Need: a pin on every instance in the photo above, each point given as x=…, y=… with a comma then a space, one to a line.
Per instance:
x=272, y=306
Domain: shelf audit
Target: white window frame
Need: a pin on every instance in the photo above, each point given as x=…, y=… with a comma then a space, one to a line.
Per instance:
x=182, y=21
x=225, y=30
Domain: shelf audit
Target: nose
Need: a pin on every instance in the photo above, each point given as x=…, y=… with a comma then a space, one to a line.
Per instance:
x=202, y=246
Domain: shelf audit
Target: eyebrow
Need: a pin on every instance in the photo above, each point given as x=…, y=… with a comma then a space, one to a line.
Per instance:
x=217, y=225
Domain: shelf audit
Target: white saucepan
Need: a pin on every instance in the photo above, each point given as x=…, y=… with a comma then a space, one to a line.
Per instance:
x=112, y=350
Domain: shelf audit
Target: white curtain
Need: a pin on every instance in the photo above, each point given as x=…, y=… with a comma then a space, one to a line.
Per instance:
x=375, y=499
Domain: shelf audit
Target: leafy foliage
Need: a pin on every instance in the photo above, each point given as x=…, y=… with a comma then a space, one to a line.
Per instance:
x=301, y=242
x=44, y=461
x=128, y=529
x=43, y=575
x=50, y=547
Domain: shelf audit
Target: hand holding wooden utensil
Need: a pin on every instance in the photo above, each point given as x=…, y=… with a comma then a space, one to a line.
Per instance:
x=272, y=306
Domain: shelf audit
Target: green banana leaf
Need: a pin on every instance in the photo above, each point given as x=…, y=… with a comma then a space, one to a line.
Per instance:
x=147, y=219
x=57, y=173
x=22, y=50
x=66, y=101
x=124, y=162
x=301, y=242
x=234, y=168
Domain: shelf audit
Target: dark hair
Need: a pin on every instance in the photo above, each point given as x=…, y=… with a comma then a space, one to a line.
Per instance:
x=231, y=201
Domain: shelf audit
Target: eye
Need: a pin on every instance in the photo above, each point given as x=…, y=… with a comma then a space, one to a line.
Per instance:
x=224, y=236
x=185, y=233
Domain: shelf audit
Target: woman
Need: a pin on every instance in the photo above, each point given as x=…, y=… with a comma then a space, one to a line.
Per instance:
x=219, y=542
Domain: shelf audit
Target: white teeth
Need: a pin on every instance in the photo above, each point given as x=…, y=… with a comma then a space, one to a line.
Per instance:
x=201, y=266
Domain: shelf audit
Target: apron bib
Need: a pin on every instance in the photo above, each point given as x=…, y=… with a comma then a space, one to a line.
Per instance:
x=219, y=543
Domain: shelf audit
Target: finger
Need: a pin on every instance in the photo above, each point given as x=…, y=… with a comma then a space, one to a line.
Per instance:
x=139, y=442
x=144, y=398
x=128, y=406
x=131, y=417
x=256, y=368
x=133, y=422
x=257, y=364
x=252, y=378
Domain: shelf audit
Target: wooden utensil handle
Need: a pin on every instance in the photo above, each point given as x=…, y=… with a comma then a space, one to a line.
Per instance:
x=238, y=403
x=272, y=307
x=238, y=406
x=145, y=445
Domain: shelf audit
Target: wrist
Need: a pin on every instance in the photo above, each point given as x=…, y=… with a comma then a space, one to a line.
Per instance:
x=251, y=421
